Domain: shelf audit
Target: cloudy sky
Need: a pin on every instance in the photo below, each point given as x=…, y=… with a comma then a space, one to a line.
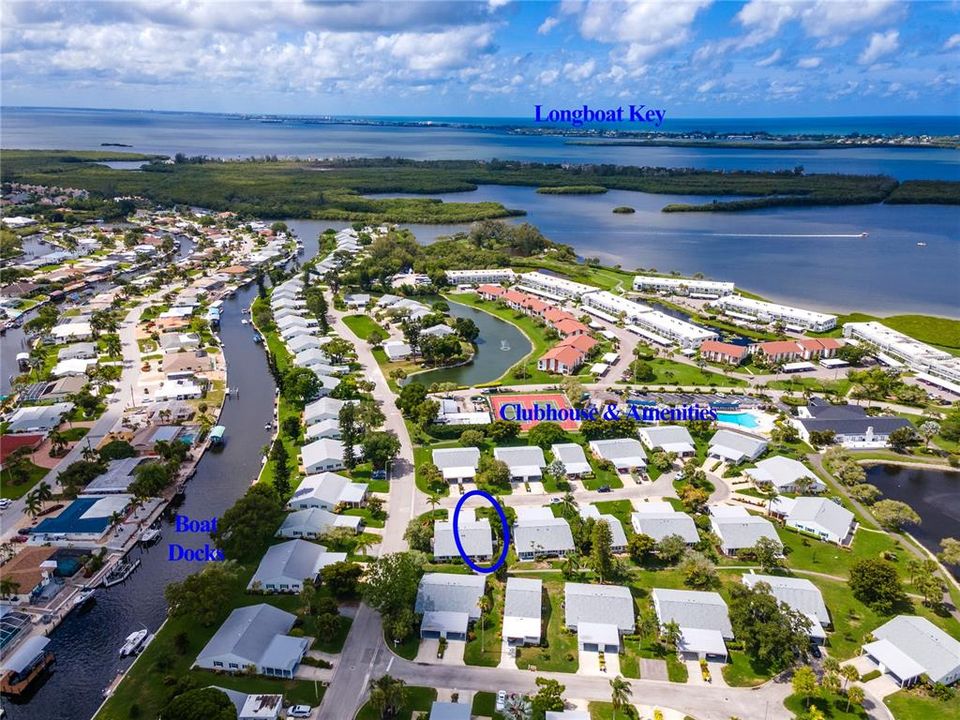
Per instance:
x=498, y=58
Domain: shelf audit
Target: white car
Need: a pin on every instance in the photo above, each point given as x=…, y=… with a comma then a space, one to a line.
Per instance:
x=299, y=711
x=501, y=700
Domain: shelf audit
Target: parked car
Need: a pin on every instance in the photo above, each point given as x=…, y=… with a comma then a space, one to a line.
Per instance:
x=501, y=700
x=555, y=501
x=378, y=475
x=815, y=651
x=603, y=489
x=299, y=711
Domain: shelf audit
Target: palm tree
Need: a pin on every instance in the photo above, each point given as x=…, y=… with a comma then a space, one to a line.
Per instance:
x=855, y=695
x=364, y=541
x=619, y=694
x=44, y=492
x=88, y=453
x=32, y=504
x=571, y=565
x=9, y=587
x=433, y=498
x=568, y=505
x=115, y=519
x=387, y=695
x=113, y=346
x=484, y=604
x=848, y=673
x=57, y=442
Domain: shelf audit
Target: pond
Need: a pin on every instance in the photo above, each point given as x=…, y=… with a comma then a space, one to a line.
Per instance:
x=933, y=493
x=500, y=346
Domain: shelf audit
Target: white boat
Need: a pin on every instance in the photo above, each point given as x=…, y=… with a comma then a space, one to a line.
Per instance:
x=133, y=642
x=150, y=536
x=83, y=597
x=244, y=321
x=921, y=244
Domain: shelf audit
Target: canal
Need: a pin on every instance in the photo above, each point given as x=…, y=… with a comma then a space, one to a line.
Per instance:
x=933, y=493
x=500, y=346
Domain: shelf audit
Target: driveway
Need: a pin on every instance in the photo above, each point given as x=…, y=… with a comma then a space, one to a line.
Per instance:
x=652, y=669
x=590, y=664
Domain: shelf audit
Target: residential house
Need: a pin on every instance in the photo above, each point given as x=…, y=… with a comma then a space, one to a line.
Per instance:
x=785, y=475
x=828, y=520
x=669, y=438
x=799, y=594
x=522, y=606
x=475, y=535
x=703, y=620
x=574, y=461
x=525, y=463
x=626, y=454
x=721, y=352
x=735, y=447
x=618, y=538
x=850, y=424
x=738, y=529
x=449, y=711
x=316, y=522
x=909, y=646
x=457, y=464
x=659, y=520
x=328, y=491
x=287, y=566
x=449, y=603
x=599, y=614
x=542, y=535
x=322, y=455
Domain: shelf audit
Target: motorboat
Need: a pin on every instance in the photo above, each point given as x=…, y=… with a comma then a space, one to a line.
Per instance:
x=83, y=597
x=150, y=536
x=133, y=642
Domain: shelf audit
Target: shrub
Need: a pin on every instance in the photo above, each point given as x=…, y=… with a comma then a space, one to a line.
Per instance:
x=872, y=675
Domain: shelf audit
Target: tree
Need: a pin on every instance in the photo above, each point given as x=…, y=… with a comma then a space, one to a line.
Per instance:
x=380, y=447
x=388, y=695
x=822, y=438
x=419, y=535
x=698, y=570
x=805, y=683
x=642, y=371
x=640, y=547
x=391, y=581
x=483, y=604
x=470, y=438
x=349, y=433
x=281, y=470
x=426, y=413
x=300, y=386
x=950, y=551
x=620, y=693
x=291, y=426
x=44, y=492
x=671, y=548
x=545, y=434
x=601, y=552
x=200, y=596
x=338, y=349
x=117, y=450
x=9, y=587
x=771, y=632
x=928, y=431
x=855, y=696
x=866, y=493
x=503, y=430
x=247, y=528
x=849, y=673
x=549, y=696
x=411, y=395
x=206, y=703
x=768, y=553
x=875, y=583
x=493, y=473
x=57, y=442
x=152, y=478
x=894, y=514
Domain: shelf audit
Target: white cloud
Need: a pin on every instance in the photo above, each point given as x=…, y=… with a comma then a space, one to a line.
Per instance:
x=880, y=44
x=770, y=59
x=808, y=63
x=548, y=77
x=494, y=4
x=547, y=25
x=952, y=42
x=831, y=21
x=579, y=73
x=706, y=86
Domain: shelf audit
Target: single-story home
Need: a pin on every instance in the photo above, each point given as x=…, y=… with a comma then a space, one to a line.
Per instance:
x=397, y=350
x=735, y=447
x=625, y=453
x=618, y=538
x=457, y=464
x=439, y=330
x=829, y=521
x=522, y=606
x=669, y=438
x=175, y=342
x=783, y=473
x=255, y=637
x=909, y=646
x=195, y=361
x=326, y=408
x=322, y=455
x=850, y=424
x=72, y=368
x=449, y=711
x=475, y=537
x=323, y=429
x=703, y=619
x=599, y=614
x=799, y=594
x=38, y=418
x=573, y=458
x=525, y=463
x=738, y=529
x=316, y=522
x=328, y=491
x=659, y=520
x=448, y=603
x=81, y=350
x=541, y=536
x=178, y=389
x=286, y=566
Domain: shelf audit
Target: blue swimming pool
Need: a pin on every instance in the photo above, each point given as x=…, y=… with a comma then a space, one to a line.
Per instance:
x=741, y=418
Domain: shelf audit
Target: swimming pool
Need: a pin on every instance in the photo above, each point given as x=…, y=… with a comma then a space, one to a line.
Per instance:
x=743, y=419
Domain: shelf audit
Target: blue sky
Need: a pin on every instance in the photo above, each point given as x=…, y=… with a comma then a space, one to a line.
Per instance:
x=497, y=58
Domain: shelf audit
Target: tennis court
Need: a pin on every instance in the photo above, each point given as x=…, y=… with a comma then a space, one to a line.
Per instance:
x=523, y=407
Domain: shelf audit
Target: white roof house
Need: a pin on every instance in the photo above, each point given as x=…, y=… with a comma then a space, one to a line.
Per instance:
x=769, y=312
x=822, y=517
x=702, y=616
x=624, y=453
x=522, y=607
x=323, y=409
x=324, y=429
x=618, y=538
x=397, y=350
x=783, y=474
x=38, y=418
x=738, y=529
x=286, y=566
x=448, y=603
x=599, y=614
x=300, y=343
x=536, y=537
x=475, y=537
x=909, y=646
x=255, y=635
x=73, y=366
x=322, y=455
x=658, y=522
x=735, y=446
x=573, y=458
x=70, y=331
x=525, y=463
x=315, y=522
x=77, y=350
x=799, y=594
x=567, y=715
x=327, y=490
x=669, y=438
x=449, y=711
x=457, y=464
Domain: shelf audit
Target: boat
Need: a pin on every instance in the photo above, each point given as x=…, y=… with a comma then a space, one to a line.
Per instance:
x=83, y=597
x=150, y=536
x=133, y=642
x=244, y=321
x=24, y=666
x=217, y=434
x=921, y=244
x=120, y=572
x=864, y=234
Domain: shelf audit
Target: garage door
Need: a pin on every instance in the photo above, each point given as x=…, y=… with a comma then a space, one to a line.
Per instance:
x=591, y=647
x=430, y=634
x=456, y=636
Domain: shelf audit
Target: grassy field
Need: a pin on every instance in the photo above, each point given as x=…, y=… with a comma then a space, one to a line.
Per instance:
x=833, y=707
x=362, y=325
x=485, y=648
x=12, y=491
x=418, y=699
x=484, y=705
x=742, y=672
x=670, y=372
x=559, y=653
x=910, y=705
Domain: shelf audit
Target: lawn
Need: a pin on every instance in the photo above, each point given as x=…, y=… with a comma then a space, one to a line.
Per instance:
x=837, y=387
x=910, y=705
x=804, y=552
x=833, y=707
x=484, y=705
x=418, y=698
x=362, y=325
x=670, y=372
x=13, y=491
x=559, y=653
x=489, y=655
x=742, y=672
x=333, y=644
x=422, y=455
x=368, y=520
x=620, y=509
x=295, y=692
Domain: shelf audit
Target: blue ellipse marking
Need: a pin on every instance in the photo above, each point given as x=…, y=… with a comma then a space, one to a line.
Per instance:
x=503, y=523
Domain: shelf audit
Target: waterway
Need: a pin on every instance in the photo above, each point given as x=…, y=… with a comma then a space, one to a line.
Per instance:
x=934, y=494
x=500, y=346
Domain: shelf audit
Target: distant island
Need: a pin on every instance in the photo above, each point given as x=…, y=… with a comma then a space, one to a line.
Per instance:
x=115, y=145
x=624, y=210
x=572, y=190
